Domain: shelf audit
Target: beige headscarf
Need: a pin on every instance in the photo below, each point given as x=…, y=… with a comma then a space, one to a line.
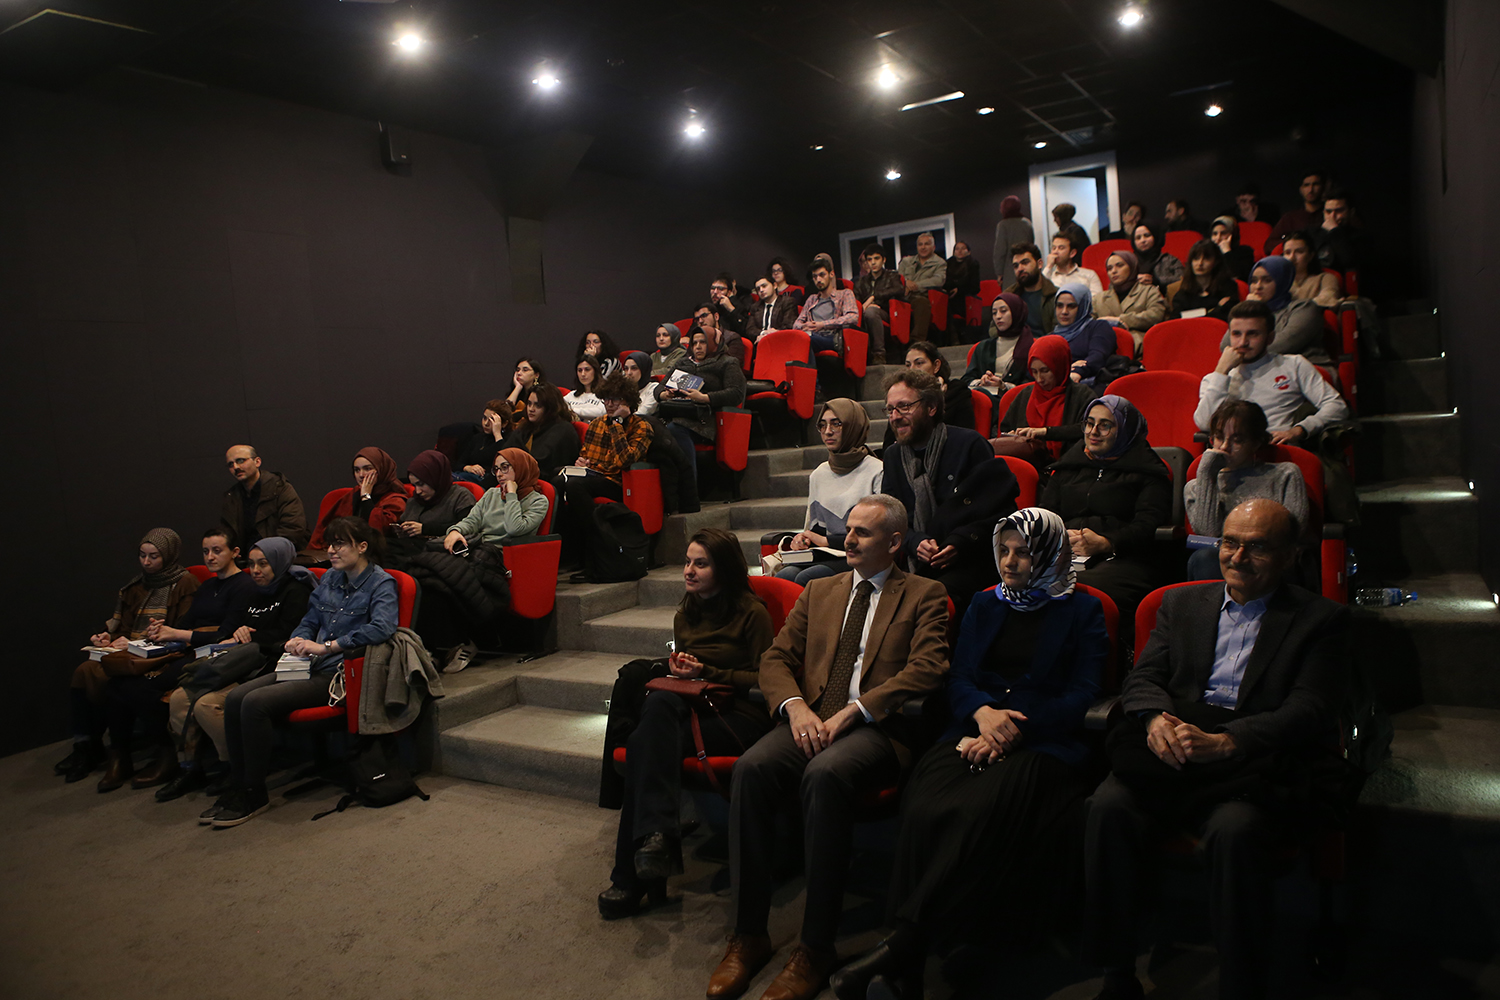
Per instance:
x=851, y=450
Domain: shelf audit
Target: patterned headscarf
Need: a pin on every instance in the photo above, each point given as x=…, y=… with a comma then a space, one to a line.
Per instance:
x=1052, y=575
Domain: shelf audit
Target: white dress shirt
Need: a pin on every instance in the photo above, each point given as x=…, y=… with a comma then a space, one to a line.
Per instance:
x=878, y=582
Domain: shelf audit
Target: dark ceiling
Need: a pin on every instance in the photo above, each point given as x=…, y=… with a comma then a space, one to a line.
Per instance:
x=768, y=80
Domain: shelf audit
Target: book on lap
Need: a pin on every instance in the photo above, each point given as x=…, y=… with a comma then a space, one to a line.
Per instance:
x=293, y=668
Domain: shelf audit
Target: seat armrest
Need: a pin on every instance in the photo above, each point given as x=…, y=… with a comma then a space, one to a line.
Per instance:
x=1171, y=533
x=757, y=696
x=912, y=708
x=1200, y=437
x=1104, y=714
x=773, y=538
x=1333, y=531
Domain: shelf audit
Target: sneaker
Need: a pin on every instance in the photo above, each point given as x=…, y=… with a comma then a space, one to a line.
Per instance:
x=249, y=805
x=460, y=657
x=222, y=802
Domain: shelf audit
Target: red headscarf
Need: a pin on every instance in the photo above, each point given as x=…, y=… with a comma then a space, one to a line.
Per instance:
x=1045, y=406
x=524, y=467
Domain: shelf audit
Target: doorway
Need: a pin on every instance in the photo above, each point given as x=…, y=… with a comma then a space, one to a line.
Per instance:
x=1089, y=183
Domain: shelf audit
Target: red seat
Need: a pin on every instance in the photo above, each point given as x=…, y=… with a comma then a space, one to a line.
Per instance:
x=473, y=488
x=1184, y=345
x=348, y=710
x=984, y=409
x=1351, y=284
x=1243, y=287
x=1254, y=236
x=1026, y=477
x=1167, y=401
x=731, y=446
x=640, y=486
x=202, y=573
x=1003, y=407
x=847, y=283
x=781, y=356
x=989, y=288
x=856, y=351
x=901, y=315
x=780, y=597
x=331, y=500
x=1180, y=243
x=1145, y=615
x=1096, y=255
x=684, y=325
x=582, y=427
x=1124, y=342
x=799, y=289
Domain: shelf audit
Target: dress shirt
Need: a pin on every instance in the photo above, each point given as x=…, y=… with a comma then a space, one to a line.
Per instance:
x=1239, y=625
x=878, y=582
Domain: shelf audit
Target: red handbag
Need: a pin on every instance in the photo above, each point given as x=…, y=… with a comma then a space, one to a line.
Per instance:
x=703, y=697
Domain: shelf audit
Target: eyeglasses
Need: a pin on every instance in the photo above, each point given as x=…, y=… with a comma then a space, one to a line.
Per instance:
x=502, y=467
x=336, y=543
x=831, y=424
x=718, y=288
x=1257, y=549
x=901, y=408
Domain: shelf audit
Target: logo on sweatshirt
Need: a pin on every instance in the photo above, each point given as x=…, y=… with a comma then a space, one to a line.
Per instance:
x=1282, y=383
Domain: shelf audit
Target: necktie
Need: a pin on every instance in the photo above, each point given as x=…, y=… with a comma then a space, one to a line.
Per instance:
x=836, y=695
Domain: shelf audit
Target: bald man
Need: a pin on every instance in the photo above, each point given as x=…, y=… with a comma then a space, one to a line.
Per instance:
x=1233, y=701
x=261, y=504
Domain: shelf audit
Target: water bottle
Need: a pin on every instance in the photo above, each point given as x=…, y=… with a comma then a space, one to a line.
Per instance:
x=1383, y=597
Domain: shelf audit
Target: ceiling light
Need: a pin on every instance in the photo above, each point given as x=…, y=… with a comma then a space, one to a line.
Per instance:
x=887, y=78
x=934, y=100
x=546, y=81
x=1213, y=111
x=893, y=174
x=1130, y=17
x=693, y=130
x=986, y=111
x=1039, y=144
x=817, y=147
x=408, y=42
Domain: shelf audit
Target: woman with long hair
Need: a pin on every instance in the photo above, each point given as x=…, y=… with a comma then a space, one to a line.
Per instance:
x=547, y=435
x=1155, y=267
x=779, y=272
x=598, y=345
x=478, y=451
x=1311, y=281
x=1207, y=288
x=583, y=399
x=528, y=373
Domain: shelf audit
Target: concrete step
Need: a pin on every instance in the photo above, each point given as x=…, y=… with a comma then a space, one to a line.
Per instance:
x=1445, y=760
x=1417, y=386
x=634, y=631
x=764, y=463
x=1414, y=336
x=530, y=747
x=1422, y=527
x=796, y=483
x=772, y=512
x=1438, y=650
x=1408, y=446
x=570, y=680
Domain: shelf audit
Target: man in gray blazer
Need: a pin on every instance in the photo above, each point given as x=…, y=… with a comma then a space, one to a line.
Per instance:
x=1238, y=690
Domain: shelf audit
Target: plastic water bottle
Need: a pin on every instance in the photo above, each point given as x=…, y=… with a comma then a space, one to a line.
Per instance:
x=1383, y=597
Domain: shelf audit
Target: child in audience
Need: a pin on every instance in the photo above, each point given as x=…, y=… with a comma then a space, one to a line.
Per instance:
x=528, y=373
x=668, y=350
x=1229, y=474
x=597, y=344
x=377, y=498
x=478, y=452
x=354, y=606
x=583, y=400
x=850, y=474
x=162, y=591
x=546, y=434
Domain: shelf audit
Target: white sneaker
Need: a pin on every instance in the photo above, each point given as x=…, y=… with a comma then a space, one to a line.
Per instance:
x=459, y=657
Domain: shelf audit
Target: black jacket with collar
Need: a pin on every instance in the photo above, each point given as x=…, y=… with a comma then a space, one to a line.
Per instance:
x=973, y=490
x=783, y=315
x=1125, y=500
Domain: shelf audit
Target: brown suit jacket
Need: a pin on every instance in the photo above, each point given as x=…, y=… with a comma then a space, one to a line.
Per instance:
x=906, y=654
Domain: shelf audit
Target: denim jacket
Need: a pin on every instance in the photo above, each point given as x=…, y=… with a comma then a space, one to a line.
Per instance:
x=354, y=613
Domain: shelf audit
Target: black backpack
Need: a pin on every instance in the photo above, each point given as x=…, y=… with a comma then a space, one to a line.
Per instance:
x=377, y=778
x=618, y=547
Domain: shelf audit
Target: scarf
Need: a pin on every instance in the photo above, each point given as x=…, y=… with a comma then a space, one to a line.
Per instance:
x=1283, y=272
x=1052, y=577
x=1044, y=407
x=920, y=476
x=851, y=450
x=524, y=468
x=1010, y=207
x=1229, y=223
x=1018, y=316
x=279, y=553
x=1134, y=263
x=385, y=471
x=1128, y=421
x=434, y=469
x=158, y=585
x=643, y=362
x=1147, y=259
x=1080, y=324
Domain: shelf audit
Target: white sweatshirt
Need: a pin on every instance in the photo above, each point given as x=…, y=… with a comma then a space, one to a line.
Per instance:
x=1280, y=383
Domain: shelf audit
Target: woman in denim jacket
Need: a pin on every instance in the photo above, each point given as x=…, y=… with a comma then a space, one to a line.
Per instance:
x=353, y=606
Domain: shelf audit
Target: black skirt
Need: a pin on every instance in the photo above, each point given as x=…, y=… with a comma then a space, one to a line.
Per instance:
x=987, y=852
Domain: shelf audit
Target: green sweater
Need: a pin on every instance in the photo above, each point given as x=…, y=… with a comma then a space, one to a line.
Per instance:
x=499, y=516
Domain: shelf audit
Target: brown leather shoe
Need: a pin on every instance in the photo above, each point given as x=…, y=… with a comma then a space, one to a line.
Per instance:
x=746, y=955
x=160, y=771
x=804, y=977
x=117, y=771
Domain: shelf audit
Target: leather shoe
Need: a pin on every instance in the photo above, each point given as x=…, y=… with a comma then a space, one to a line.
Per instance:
x=658, y=858
x=619, y=901
x=81, y=763
x=188, y=779
x=160, y=771
x=117, y=771
x=853, y=980
x=805, y=974
x=746, y=955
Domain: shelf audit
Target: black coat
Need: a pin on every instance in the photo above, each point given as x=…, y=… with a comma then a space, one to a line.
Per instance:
x=963, y=276
x=974, y=490
x=1125, y=500
x=553, y=447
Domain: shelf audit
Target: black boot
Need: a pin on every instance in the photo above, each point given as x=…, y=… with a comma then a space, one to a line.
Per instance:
x=189, y=779
x=659, y=857
x=87, y=759
x=618, y=901
x=892, y=956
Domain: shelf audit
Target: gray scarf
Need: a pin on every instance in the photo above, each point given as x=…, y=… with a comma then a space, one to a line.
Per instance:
x=920, y=478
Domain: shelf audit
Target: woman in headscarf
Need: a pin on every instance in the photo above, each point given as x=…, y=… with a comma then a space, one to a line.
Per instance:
x=999, y=361
x=668, y=350
x=546, y=433
x=161, y=591
x=1299, y=322
x=515, y=508
x=1012, y=228
x=987, y=810
x=1127, y=302
x=690, y=412
x=1046, y=416
x=277, y=604
x=1310, y=280
x=377, y=499
x=1206, y=288
x=1238, y=258
x=850, y=474
x=1153, y=267
x=435, y=503
x=679, y=490
x=1114, y=492
x=1090, y=340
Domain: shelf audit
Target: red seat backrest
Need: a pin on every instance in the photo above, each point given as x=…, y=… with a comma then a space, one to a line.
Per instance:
x=798, y=289
x=780, y=596
x=1027, y=477
x=989, y=289
x=1244, y=288
x=773, y=350
x=202, y=573
x=1179, y=244
x=1145, y=614
x=849, y=284
x=1167, y=401
x=473, y=488
x=1112, y=626
x=582, y=427
x=1003, y=407
x=684, y=325
x=1184, y=345
x=551, y=495
x=1095, y=255
x=406, y=597
x=1254, y=236
x=1124, y=342
x=331, y=500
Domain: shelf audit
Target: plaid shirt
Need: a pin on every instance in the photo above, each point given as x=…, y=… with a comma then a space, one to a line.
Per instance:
x=838, y=301
x=611, y=448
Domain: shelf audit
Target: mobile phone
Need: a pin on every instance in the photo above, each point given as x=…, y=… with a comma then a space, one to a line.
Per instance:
x=461, y=550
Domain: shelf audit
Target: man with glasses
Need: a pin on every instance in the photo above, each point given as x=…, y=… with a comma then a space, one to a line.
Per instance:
x=954, y=489
x=260, y=504
x=731, y=308
x=1227, y=713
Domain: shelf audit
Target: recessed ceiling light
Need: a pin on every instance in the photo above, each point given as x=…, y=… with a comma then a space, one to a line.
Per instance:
x=693, y=130
x=893, y=174
x=1213, y=111
x=934, y=100
x=887, y=78
x=1130, y=17
x=985, y=111
x=546, y=81
x=1039, y=144
x=817, y=147
x=408, y=42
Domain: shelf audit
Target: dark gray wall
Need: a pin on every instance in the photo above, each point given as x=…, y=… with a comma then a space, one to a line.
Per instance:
x=182, y=268
x=1458, y=203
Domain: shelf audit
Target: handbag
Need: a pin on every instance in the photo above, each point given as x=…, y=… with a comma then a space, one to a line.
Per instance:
x=703, y=697
x=670, y=409
x=123, y=664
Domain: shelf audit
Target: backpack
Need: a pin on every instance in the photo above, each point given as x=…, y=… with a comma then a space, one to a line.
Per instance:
x=618, y=548
x=377, y=778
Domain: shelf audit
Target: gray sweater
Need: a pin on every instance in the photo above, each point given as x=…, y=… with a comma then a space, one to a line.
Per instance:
x=1216, y=491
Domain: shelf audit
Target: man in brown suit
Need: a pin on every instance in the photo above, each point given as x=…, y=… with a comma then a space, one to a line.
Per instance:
x=856, y=647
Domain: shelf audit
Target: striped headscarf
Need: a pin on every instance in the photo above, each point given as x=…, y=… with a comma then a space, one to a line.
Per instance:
x=1052, y=575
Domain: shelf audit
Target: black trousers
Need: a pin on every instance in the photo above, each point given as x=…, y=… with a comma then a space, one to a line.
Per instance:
x=250, y=714
x=1236, y=841
x=129, y=698
x=653, y=770
x=578, y=493
x=829, y=787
